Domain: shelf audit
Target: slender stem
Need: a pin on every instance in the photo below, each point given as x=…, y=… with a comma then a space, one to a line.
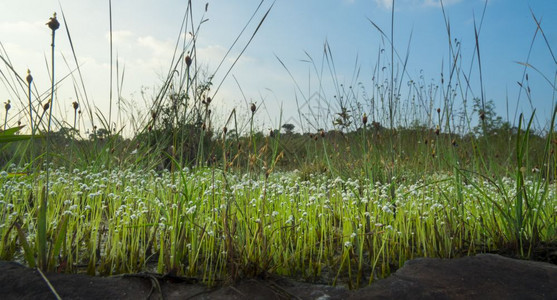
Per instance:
x=53, y=24
x=110, y=96
x=52, y=86
x=31, y=111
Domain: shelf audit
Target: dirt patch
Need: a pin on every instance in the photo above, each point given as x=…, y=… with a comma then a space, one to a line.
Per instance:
x=485, y=276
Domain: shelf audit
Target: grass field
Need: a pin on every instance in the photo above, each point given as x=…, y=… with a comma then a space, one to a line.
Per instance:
x=346, y=204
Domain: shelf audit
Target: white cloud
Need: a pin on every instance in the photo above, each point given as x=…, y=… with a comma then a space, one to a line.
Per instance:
x=20, y=27
x=120, y=36
x=437, y=3
x=384, y=3
x=387, y=4
x=155, y=47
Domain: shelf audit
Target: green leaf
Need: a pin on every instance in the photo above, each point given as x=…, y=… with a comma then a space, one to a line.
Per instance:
x=29, y=257
x=10, y=131
x=15, y=138
x=59, y=239
x=13, y=175
x=9, y=135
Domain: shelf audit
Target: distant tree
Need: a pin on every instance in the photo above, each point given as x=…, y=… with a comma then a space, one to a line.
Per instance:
x=288, y=128
x=489, y=122
x=100, y=134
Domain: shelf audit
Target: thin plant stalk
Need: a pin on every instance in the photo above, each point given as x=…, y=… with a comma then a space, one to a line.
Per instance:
x=53, y=24
x=29, y=79
x=7, y=106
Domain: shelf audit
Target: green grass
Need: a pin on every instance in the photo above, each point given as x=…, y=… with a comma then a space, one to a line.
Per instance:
x=346, y=205
x=209, y=225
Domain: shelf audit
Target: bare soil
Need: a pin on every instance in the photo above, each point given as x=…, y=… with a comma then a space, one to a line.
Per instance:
x=484, y=276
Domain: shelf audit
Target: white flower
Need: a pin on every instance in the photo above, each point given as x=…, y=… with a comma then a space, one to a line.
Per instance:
x=67, y=212
x=348, y=245
x=191, y=210
x=290, y=219
x=387, y=209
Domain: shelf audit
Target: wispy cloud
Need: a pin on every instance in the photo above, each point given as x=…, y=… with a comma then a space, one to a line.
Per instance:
x=387, y=4
x=120, y=36
x=437, y=3
x=384, y=3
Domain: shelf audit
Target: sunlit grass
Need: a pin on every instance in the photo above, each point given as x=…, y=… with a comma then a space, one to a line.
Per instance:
x=344, y=204
x=324, y=229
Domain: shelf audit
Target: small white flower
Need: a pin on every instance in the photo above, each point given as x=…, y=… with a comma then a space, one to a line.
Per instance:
x=387, y=209
x=290, y=219
x=191, y=210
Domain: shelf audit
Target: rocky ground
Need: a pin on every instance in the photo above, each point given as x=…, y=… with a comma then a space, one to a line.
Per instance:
x=485, y=276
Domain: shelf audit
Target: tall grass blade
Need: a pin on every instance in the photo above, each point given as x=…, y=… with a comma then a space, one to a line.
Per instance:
x=28, y=252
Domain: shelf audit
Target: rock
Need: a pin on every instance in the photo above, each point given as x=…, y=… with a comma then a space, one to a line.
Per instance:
x=484, y=276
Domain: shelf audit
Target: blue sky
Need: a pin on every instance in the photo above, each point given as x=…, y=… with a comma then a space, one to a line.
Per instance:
x=145, y=32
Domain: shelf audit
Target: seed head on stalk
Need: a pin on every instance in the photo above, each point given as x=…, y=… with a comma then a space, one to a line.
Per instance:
x=53, y=23
x=46, y=105
x=7, y=106
x=29, y=79
x=75, y=105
